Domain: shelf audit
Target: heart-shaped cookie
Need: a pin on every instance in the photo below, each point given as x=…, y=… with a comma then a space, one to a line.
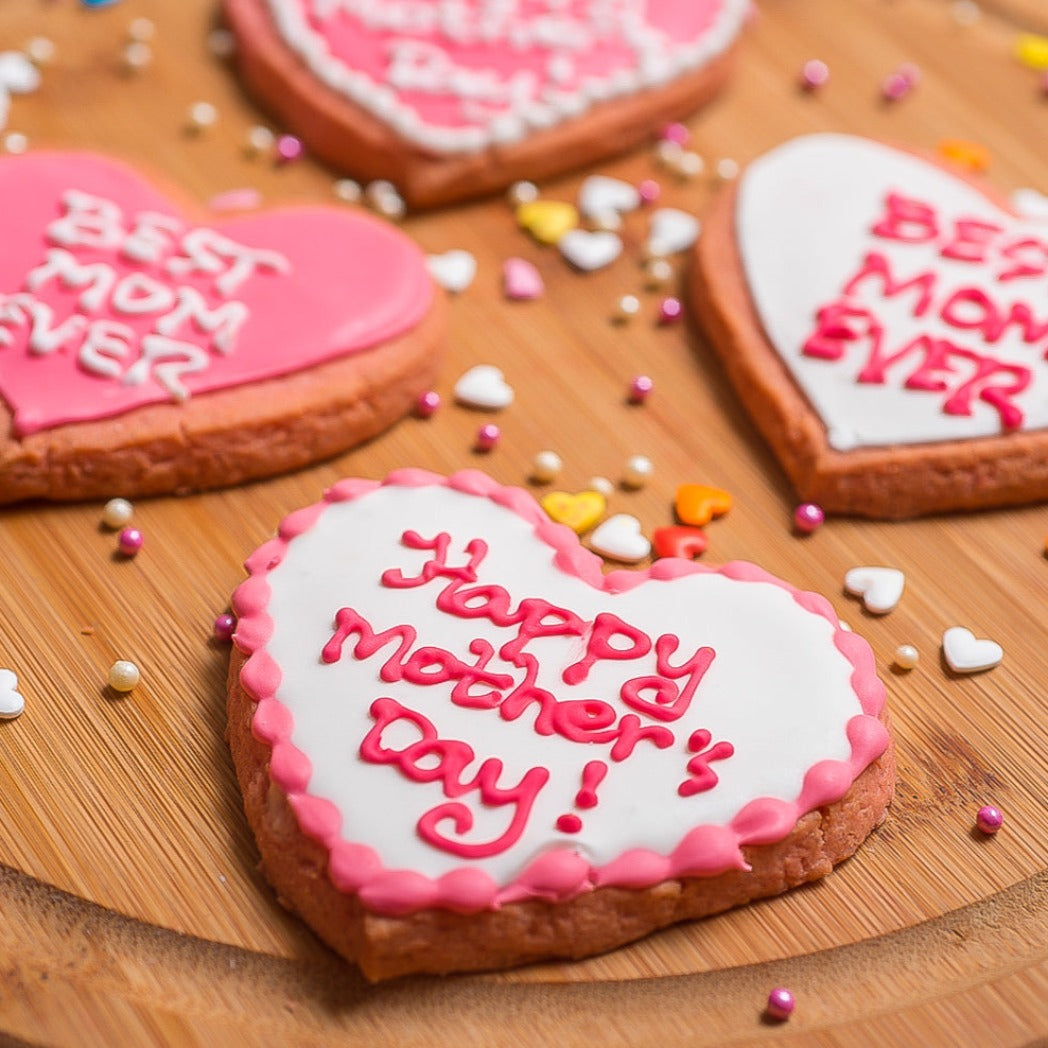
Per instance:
x=453, y=100
x=883, y=318
x=466, y=714
x=143, y=350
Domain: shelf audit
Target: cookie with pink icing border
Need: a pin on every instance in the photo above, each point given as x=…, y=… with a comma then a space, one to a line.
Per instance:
x=883, y=319
x=145, y=348
x=453, y=100
x=462, y=745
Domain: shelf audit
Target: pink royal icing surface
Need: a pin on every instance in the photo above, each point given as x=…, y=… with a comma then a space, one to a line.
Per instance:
x=466, y=711
x=111, y=299
x=465, y=74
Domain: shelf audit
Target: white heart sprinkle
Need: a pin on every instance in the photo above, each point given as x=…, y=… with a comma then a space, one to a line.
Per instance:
x=590, y=251
x=454, y=270
x=880, y=588
x=1030, y=203
x=966, y=653
x=11, y=702
x=620, y=538
x=601, y=195
x=17, y=73
x=672, y=230
x=484, y=386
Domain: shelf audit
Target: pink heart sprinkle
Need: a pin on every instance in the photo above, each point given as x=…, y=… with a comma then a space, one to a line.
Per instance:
x=521, y=279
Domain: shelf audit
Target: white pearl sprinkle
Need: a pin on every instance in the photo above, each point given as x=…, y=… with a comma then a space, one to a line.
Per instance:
x=117, y=512
x=16, y=142
x=627, y=307
x=658, y=272
x=348, y=191
x=382, y=195
x=260, y=139
x=690, y=165
x=906, y=656
x=727, y=169
x=668, y=152
x=141, y=29
x=546, y=466
x=966, y=12
x=202, y=115
x=123, y=675
x=602, y=485
x=40, y=50
x=522, y=193
x=137, y=55
x=637, y=472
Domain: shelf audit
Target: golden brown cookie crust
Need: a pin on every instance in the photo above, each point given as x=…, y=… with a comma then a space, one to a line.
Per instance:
x=229, y=436
x=349, y=139
x=439, y=941
x=890, y=483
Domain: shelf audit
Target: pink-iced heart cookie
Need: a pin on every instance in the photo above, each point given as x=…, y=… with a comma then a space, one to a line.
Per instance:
x=462, y=745
x=143, y=350
x=884, y=320
x=452, y=100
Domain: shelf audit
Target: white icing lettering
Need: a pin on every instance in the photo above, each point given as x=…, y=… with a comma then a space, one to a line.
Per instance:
x=154, y=235
x=108, y=342
x=223, y=323
x=23, y=308
x=207, y=251
x=89, y=221
x=63, y=266
x=156, y=351
x=141, y=293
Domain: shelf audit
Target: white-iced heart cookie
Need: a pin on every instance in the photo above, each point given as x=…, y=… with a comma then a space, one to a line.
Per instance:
x=452, y=100
x=462, y=745
x=883, y=319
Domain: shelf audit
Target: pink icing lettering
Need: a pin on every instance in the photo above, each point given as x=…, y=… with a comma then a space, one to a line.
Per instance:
x=911, y=221
x=606, y=627
x=702, y=776
x=592, y=776
x=971, y=241
x=669, y=701
x=1030, y=256
x=876, y=265
x=349, y=622
x=432, y=759
x=836, y=325
x=998, y=396
x=436, y=566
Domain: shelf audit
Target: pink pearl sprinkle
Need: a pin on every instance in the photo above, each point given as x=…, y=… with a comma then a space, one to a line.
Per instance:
x=649, y=191
x=488, y=436
x=814, y=74
x=989, y=819
x=780, y=1003
x=808, y=517
x=896, y=86
x=676, y=133
x=129, y=541
x=288, y=148
x=640, y=388
x=670, y=310
x=224, y=626
x=427, y=403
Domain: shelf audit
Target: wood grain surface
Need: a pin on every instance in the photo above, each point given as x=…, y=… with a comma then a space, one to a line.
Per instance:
x=130, y=907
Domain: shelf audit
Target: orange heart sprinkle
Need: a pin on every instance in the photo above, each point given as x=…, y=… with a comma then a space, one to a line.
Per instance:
x=698, y=504
x=580, y=512
x=970, y=155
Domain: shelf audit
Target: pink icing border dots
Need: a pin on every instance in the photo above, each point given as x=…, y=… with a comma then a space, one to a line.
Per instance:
x=561, y=873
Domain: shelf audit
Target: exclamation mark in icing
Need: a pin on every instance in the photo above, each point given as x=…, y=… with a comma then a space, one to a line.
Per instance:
x=592, y=776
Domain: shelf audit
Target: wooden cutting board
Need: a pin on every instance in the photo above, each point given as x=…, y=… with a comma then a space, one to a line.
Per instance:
x=131, y=908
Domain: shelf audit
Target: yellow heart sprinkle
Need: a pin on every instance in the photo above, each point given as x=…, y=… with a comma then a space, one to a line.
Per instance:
x=698, y=504
x=1032, y=50
x=547, y=220
x=580, y=512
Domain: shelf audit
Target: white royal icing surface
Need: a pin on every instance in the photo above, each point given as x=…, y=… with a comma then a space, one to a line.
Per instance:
x=783, y=713
x=803, y=221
